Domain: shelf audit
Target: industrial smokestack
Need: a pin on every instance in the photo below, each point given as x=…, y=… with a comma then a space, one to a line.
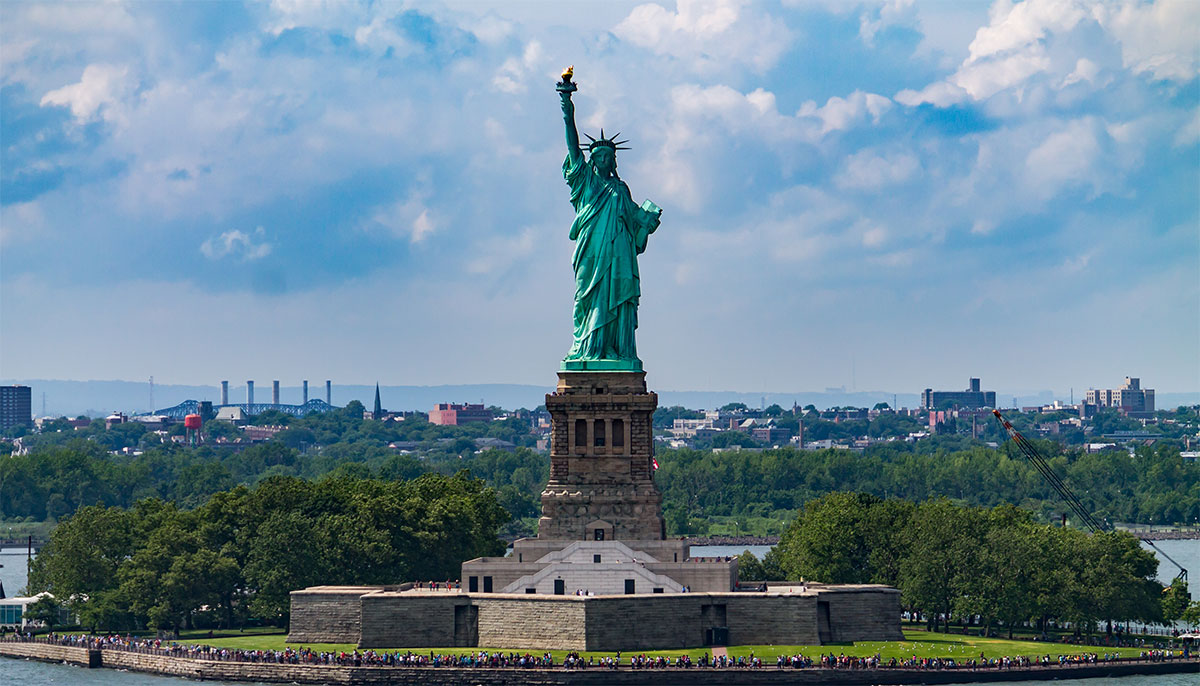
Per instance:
x=224, y=392
x=305, y=392
x=328, y=391
x=249, y=393
x=275, y=392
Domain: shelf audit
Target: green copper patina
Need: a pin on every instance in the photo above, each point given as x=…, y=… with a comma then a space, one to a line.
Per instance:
x=609, y=231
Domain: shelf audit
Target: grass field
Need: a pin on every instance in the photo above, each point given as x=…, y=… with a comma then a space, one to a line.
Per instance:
x=918, y=643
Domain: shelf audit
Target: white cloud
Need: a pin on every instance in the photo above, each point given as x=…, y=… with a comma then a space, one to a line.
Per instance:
x=891, y=12
x=381, y=36
x=839, y=114
x=101, y=86
x=1015, y=26
x=236, y=244
x=501, y=253
x=324, y=14
x=1085, y=70
x=868, y=170
x=983, y=79
x=512, y=76
x=410, y=218
x=21, y=222
x=874, y=237
x=708, y=34
x=1025, y=39
x=938, y=94
x=1065, y=157
x=1159, y=38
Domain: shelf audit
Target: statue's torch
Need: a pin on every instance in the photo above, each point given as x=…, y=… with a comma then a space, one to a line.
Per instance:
x=566, y=85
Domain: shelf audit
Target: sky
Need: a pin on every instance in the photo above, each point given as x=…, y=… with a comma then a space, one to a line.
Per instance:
x=876, y=195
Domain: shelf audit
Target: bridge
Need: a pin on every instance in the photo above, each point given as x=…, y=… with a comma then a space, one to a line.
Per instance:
x=183, y=409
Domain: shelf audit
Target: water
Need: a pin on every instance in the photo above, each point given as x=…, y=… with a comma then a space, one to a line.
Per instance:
x=20, y=672
x=1186, y=553
x=729, y=550
x=13, y=573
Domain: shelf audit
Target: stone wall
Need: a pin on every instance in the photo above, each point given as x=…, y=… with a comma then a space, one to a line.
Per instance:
x=46, y=653
x=533, y=622
x=870, y=613
x=596, y=482
x=759, y=619
x=394, y=620
x=327, y=614
x=700, y=577
x=644, y=622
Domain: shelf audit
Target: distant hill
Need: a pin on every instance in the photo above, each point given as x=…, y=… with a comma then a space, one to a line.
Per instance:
x=99, y=398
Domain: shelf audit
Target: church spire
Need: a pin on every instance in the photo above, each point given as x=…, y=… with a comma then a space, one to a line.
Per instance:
x=378, y=413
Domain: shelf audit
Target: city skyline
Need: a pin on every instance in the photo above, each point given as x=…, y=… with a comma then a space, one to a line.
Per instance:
x=900, y=194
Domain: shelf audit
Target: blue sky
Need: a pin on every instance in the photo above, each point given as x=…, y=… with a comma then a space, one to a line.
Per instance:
x=880, y=195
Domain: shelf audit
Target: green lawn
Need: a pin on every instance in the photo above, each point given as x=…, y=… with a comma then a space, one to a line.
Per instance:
x=918, y=643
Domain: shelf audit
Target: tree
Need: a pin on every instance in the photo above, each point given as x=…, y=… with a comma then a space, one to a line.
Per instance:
x=930, y=575
x=80, y=562
x=1192, y=614
x=1175, y=601
x=750, y=568
x=882, y=406
x=773, y=410
x=46, y=610
x=734, y=407
x=1120, y=578
x=852, y=538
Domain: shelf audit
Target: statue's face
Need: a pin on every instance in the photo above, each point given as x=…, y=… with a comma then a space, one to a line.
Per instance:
x=604, y=159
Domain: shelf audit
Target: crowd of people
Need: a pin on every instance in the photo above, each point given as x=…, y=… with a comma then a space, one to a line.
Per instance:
x=573, y=661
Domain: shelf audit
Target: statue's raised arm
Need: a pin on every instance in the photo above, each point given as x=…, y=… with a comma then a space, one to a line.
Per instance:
x=565, y=88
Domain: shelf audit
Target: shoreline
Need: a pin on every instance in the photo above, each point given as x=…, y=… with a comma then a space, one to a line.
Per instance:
x=156, y=662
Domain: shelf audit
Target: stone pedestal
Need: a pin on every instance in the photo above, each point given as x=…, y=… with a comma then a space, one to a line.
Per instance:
x=601, y=472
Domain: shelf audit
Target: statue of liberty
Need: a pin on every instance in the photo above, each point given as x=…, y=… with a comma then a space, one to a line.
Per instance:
x=609, y=231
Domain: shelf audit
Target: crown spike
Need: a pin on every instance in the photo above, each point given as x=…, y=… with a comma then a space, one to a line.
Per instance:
x=590, y=136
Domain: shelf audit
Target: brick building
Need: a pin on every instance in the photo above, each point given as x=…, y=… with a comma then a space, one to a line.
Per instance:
x=450, y=414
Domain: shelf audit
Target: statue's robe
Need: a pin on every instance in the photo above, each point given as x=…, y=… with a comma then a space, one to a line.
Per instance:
x=609, y=231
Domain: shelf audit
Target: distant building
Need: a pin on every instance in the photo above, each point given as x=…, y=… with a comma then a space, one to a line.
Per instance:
x=449, y=414
x=1130, y=397
x=968, y=399
x=12, y=610
x=771, y=435
x=232, y=413
x=261, y=433
x=16, y=406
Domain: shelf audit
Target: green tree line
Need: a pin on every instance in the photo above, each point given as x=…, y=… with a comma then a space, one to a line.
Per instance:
x=1154, y=485
x=953, y=562
x=239, y=555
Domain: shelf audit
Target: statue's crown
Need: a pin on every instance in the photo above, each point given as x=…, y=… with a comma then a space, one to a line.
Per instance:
x=603, y=142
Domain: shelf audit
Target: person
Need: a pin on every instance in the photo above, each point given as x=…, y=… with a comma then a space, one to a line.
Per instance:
x=609, y=231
